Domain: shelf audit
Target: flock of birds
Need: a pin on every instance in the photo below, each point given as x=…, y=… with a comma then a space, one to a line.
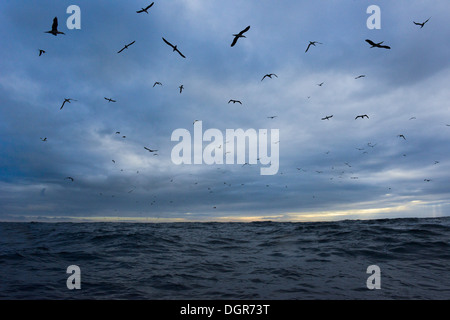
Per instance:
x=54, y=31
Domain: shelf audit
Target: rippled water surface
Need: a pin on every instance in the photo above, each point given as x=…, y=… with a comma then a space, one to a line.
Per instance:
x=261, y=260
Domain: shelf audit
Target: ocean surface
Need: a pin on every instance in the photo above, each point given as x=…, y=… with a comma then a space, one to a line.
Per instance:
x=222, y=261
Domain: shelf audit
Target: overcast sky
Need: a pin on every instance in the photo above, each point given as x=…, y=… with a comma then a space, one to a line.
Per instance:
x=339, y=168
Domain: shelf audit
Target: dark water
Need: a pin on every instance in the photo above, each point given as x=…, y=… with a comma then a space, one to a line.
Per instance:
x=325, y=260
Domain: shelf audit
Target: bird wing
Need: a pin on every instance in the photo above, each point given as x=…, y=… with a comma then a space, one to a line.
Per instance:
x=168, y=43
x=55, y=23
x=416, y=23
x=131, y=43
x=180, y=53
x=309, y=45
x=234, y=41
x=121, y=50
x=263, y=77
x=244, y=31
x=149, y=6
x=370, y=42
x=62, y=105
x=142, y=10
x=386, y=47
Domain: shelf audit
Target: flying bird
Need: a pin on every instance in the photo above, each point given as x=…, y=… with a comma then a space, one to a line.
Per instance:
x=181, y=88
x=157, y=82
x=377, y=45
x=361, y=76
x=41, y=52
x=327, y=117
x=44, y=139
x=401, y=136
x=269, y=75
x=145, y=9
x=125, y=47
x=239, y=35
x=312, y=43
x=110, y=100
x=54, y=30
x=320, y=84
x=362, y=116
x=150, y=150
x=272, y=117
x=68, y=178
x=174, y=47
x=66, y=100
x=234, y=101
x=421, y=24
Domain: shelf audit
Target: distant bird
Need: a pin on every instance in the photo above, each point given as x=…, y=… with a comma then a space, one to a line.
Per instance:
x=110, y=100
x=427, y=180
x=117, y=132
x=150, y=150
x=239, y=35
x=157, y=82
x=174, y=47
x=113, y=161
x=145, y=9
x=234, y=101
x=377, y=45
x=362, y=116
x=371, y=145
x=181, y=88
x=412, y=118
x=125, y=47
x=436, y=162
x=41, y=52
x=269, y=75
x=327, y=117
x=66, y=100
x=312, y=43
x=272, y=117
x=401, y=136
x=54, y=30
x=421, y=24
x=68, y=178
x=361, y=76
x=320, y=84
x=45, y=139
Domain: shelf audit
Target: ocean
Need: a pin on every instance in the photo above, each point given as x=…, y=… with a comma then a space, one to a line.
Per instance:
x=220, y=261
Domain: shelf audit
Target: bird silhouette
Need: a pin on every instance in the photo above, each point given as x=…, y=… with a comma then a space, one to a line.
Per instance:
x=401, y=136
x=54, y=30
x=320, y=84
x=377, y=45
x=327, y=117
x=66, y=100
x=239, y=35
x=41, y=52
x=181, y=88
x=361, y=76
x=157, y=82
x=421, y=24
x=234, y=101
x=125, y=47
x=110, y=100
x=362, y=116
x=150, y=150
x=269, y=75
x=272, y=117
x=44, y=139
x=145, y=9
x=174, y=47
x=312, y=43
x=69, y=178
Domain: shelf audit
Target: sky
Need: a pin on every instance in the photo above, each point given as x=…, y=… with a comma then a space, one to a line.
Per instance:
x=335, y=169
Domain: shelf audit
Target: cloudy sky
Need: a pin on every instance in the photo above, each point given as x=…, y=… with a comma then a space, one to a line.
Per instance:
x=333, y=169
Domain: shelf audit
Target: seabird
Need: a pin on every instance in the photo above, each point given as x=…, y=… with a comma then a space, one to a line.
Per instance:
x=272, y=117
x=362, y=116
x=68, y=178
x=269, y=75
x=145, y=9
x=401, y=136
x=421, y=24
x=239, y=35
x=181, y=88
x=110, y=100
x=312, y=43
x=54, y=30
x=320, y=84
x=234, y=101
x=327, y=117
x=44, y=139
x=150, y=150
x=174, y=47
x=361, y=76
x=157, y=82
x=66, y=100
x=125, y=47
x=41, y=52
x=377, y=45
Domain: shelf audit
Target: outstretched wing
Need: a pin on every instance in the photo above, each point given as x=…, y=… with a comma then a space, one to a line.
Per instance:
x=131, y=43
x=370, y=42
x=168, y=43
x=149, y=6
x=309, y=45
x=180, y=53
x=245, y=30
x=121, y=50
x=234, y=41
